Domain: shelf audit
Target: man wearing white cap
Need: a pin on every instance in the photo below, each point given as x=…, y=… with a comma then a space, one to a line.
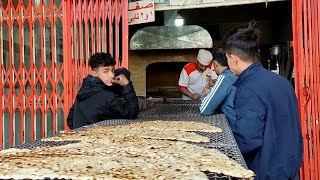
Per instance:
x=197, y=75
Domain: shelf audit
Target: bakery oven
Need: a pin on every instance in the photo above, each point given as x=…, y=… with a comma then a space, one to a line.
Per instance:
x=158, y=54
x=162, y=79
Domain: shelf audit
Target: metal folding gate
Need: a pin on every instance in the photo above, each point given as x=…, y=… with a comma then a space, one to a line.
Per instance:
x=44, y=50
x=306, y=43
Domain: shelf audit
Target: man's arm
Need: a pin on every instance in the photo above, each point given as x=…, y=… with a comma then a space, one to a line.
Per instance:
x=129, y=108
x=250, y=121
x=70, y=117
x=186, y=92
x=217, y=94
x=183, y=85
x=213, y=76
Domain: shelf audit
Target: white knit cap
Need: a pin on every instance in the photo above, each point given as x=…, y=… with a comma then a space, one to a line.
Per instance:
x=204, y=57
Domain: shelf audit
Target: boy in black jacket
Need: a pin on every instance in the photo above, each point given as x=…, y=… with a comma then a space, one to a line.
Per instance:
x=100, y=97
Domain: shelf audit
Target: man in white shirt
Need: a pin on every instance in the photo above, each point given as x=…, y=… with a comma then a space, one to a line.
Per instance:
x=197, y=75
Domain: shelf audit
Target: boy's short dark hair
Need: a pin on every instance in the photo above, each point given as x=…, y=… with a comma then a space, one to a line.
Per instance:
x=220, y=56
x=243, y=41
x=101, y=60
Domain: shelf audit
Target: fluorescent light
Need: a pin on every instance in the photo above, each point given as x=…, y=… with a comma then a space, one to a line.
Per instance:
x=179, y=20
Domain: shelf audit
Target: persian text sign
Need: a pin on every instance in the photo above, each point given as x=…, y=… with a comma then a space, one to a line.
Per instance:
x=140, y=12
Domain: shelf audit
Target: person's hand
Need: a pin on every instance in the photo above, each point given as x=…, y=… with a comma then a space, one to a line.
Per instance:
x=121, y=80
x=195, y=96
x=211, y=82
x=206, y=91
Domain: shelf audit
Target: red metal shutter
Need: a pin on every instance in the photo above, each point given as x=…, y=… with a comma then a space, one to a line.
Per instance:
x=306, y=26
x=44, y=50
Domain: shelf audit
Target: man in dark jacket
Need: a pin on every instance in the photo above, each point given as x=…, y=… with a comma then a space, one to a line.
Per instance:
x=102, y=95
x=267, y=126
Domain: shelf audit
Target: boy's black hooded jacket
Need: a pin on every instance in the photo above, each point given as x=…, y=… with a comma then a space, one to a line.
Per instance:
x=97, y=102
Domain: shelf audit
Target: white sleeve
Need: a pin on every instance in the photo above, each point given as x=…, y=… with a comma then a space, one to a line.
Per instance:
x=184, y=79
x=213, y=74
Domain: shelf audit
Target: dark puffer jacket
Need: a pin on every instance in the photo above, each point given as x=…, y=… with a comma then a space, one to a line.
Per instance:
x=267, y=126
x=97, y=102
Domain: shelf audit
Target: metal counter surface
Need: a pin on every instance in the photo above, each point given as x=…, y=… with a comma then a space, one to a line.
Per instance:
x=177, y=111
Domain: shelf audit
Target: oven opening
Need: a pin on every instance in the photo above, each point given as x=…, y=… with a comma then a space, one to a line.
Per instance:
x=162, y=79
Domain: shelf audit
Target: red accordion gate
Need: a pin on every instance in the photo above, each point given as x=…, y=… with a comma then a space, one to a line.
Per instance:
x=44, y=50
x=306, y=43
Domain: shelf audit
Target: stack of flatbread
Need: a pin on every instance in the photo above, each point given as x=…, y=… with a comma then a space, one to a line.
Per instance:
x=134, y=151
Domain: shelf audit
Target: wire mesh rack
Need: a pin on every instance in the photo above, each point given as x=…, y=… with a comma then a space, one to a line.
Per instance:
x=168, y=109
x=174, y=111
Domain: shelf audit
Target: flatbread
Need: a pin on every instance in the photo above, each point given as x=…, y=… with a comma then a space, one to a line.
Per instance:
x=149, y=130
x=161, y=134
x=121, y=152
x=178, y=126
